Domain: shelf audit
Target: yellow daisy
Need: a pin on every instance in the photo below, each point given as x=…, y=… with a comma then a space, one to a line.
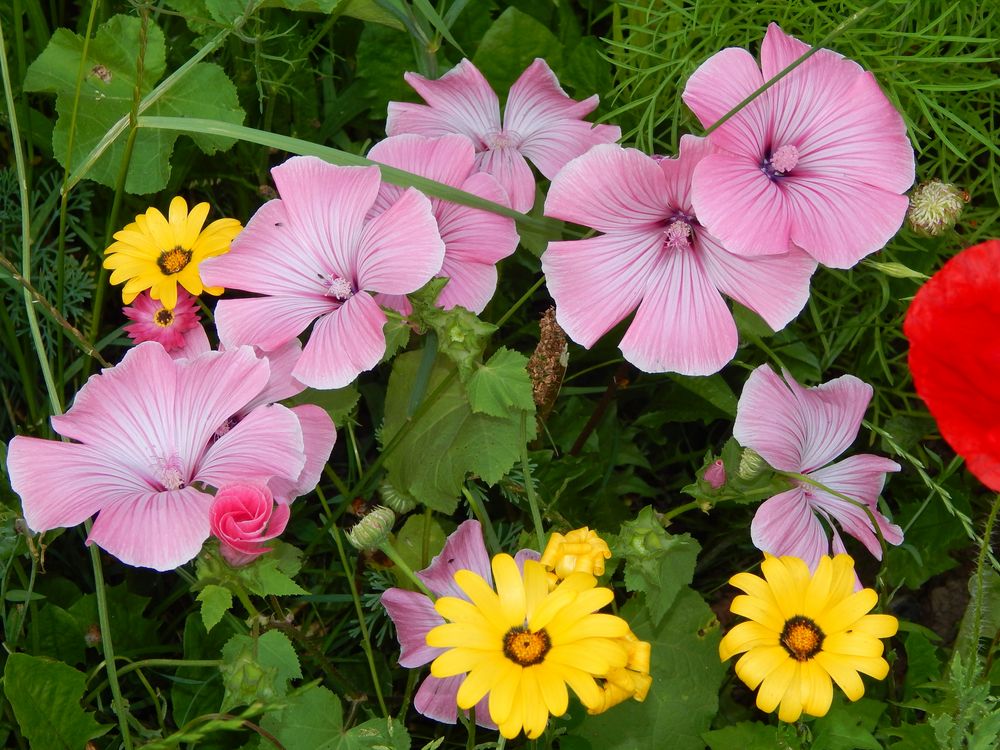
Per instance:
x=803, y=630
x=157, y=252
x=523, y=644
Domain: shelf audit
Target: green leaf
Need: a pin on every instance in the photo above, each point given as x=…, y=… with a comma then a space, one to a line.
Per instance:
x=106, y=96
x=410, y=543
x=512, y=43
x=313, y=720
x=686, y=675
x=45, y=696
x=448, y=441
x=657, y=564
x=272, y=573
x=927, y=550
x=712, y=389
x=339, y=403
x=257, y=669
x=501, y=384
x=215, y=602
x=59, y=635
x=751, y=735
x=848, y=726
x=462, y=336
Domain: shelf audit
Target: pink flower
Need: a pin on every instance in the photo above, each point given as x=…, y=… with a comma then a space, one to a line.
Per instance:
x=414, y=616
x=242, y=518
x=715, y=474
x=540, y=122
x=171, y=328
x=655, y=254
x=151, y=434
x=801, y=430
x=819, y=160
x=474, y=240
x=314, y=256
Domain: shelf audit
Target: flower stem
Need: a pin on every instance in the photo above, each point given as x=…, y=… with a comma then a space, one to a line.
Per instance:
x=977, y=616
x=405, y=569
x=517, y=305
x=479, y=511
x=529, y=485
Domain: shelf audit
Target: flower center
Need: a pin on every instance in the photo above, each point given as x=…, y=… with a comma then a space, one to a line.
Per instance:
x=170, y=473
x=174, y=260
x=782, y=161
x=523, y=647
x=802, y=638
x=163, y=317
x=678, y=234
x=338, y=288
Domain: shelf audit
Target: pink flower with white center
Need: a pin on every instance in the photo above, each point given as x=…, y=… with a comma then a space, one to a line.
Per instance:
x=819, y=160
x=414, y=616
x=243, y=517
x=801, y=430
x=152, y=435
x=474, y=240
x=540, y=123
x=655, y=254
x=171, y=328
x=314, y=256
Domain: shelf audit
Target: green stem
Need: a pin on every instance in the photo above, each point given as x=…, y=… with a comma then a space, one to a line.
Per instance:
x=405, y=569
x=977, y=616
x=517, y=305
x=366, y=642
x=424, y=370
x=479, y=511
x=529, y=485
x=680, y=509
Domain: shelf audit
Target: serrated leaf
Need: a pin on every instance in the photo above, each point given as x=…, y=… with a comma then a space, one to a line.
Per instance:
x=265, y=576
x=511, y=44
x=106, y=96
x=45, y=696
x=258, y=669
x=501, y=384
x=215, y=602
x=461, y=336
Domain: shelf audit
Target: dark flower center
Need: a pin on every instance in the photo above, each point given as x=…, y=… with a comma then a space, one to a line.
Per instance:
x=163, y=317
x=174, y=260
x=802, y=638
x=523, y=647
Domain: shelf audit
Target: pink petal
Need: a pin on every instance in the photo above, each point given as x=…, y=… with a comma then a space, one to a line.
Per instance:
x=786, y=525
x=776, y=287
x=741, y=205
x=398, y=302
x=548, y=123
x=343, y=344
x=679, y=172
x=318, y=438
x=841, y=221
x=860, y=478
x=158, y=530
x=195, y=342
x=266, y=443
x=523, y=555
x=512, y=172
x=463, y=550
x=461, y=101
x=268, y=322
x=400, y=250
x=598, y=281
x=449, y=159
x=414, y=616
x=437, y=698
x=470, y=285
x=683, y=324
x=280, y=384
x=611, y=189
x=716, y=87
x=470, y=234
x=799, y=429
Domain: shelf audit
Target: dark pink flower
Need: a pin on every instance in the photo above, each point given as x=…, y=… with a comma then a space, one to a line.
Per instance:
x=151, y=321
x=715, y=474
x=242, y=518
x=540, y=122
x=820, y=160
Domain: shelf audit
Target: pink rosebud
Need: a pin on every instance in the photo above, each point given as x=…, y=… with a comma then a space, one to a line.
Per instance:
x=715, y=474
x=243, y=516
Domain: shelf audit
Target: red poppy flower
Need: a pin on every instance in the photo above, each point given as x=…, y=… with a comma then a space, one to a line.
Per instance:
x=953, y=326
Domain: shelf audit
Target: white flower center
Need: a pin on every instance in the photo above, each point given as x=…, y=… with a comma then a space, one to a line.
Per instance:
x=169, y=472
x=784, y=159
x=677, y=235
x=339, y=288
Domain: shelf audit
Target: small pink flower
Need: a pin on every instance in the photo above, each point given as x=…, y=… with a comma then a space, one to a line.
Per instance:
x=715, y=474
x=474, y=240
x=819, y=160
x=314, y=255
x=655, y=254
x=243, y=517
x=540, y=122
x=801, y=430
x=171, y=328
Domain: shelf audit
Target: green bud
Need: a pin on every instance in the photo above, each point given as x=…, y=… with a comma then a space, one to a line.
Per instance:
x=751, y=464
x=396, y=500
x=935, y=207
x=372, y=530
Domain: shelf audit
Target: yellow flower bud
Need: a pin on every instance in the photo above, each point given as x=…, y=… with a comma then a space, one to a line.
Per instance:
x=579, y=551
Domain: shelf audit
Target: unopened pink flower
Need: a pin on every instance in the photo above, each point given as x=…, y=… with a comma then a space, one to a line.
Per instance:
x=715, y=474
x=540, y=123
x=151, y=434
x=243, y=517
x=819, y=160
x=655, y=254
x=801, y=431
x=474, y=240
x=151, y=321
x=314, y=256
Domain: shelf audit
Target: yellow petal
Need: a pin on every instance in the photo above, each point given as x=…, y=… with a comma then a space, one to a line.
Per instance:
x=817, y=593
x=583, y=684
x=177, y=216
x=840, y=669
x=459, y=610
x=553, y=689
x=774, y=686
x=459, y=634
x=159, y=229
x=558, y=612
x=190, y=280
x=504, y=691
x=758, y=611
x=593, y=655
x=192, y=227
x=745, y=636
x=755, y=665
x=852, y=644
x=457, y=660
x=821, y=689
x=536, y=586
x=536, y=715
x=589, y=626
x=877, y=626
x=168, y=293
x=511, y=726
x=786, y=593
x=790, y=708
x=485, y=598
x=845, y=615
x=479, y=681
x=510, y=589
x=843, y=580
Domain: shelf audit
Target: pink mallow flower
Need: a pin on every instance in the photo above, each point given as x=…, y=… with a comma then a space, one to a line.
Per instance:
x=474, y=240
x=414, y=616
x=540, y=123
x=152, y=434
x=178, y=330
x=801, y=430
x=820, y=159
x=654, y=253
x=315, y=256
x=243, y=517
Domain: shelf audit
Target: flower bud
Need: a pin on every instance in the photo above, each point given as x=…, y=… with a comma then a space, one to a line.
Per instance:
x=243, y=517
x=580, y=551
x=372, y=530
x=751, y=464
x=715, y=474
x=935, y=207
x=396, y=500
